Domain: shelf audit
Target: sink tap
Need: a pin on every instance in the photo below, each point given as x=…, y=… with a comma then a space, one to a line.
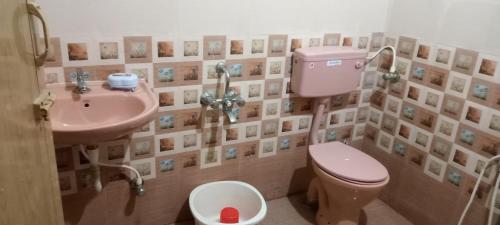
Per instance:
x=81, y=84
x=229, y=99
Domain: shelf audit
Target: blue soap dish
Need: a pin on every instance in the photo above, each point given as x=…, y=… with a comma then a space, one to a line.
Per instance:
x=127, y=81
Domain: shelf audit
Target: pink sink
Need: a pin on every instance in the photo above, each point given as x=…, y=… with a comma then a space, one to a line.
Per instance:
x=101, y=114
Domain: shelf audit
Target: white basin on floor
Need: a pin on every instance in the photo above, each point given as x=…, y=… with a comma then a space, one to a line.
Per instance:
x=207, y=200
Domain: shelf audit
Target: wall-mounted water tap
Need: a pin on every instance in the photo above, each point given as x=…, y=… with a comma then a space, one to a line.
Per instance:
x=81, y=81
x=229, y=99
x=392, y=75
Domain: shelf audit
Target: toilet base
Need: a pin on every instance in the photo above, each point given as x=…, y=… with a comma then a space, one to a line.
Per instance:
x=326, y=218
x=340, y=203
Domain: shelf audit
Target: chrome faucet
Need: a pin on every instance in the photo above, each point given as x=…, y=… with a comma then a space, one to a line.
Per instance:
x=81, y=81
x=229, y=99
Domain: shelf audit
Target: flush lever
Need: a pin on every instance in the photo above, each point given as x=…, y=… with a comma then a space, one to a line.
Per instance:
x=43, y=103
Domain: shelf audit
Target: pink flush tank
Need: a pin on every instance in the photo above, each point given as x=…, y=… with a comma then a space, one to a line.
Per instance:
x=326, y=71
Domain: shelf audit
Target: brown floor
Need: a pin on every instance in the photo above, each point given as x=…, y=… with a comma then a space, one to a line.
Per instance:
x=292, y=211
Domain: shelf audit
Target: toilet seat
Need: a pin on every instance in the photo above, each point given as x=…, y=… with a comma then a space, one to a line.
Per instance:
x=347, y=163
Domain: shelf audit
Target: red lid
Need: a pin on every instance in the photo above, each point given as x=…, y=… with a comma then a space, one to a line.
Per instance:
x=348, y=163
x=229, y=215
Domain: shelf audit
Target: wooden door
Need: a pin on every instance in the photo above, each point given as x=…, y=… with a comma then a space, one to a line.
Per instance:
x=29, y=187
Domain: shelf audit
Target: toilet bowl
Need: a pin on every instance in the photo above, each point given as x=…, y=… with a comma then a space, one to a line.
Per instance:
x=346, y=180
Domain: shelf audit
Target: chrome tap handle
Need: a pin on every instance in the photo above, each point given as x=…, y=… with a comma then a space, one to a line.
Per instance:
x=239, y=101
x=80, y=80
x=207, y=99
x=79, y=76
x=230, y=94
x=83, y=75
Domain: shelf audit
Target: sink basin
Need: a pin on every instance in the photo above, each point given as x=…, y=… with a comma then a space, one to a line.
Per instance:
x=100, y=115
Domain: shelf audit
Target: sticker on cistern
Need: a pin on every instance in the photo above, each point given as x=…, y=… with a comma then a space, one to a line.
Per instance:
x=336, y=62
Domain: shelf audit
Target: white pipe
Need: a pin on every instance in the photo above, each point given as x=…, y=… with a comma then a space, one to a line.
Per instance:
x=393, y=64
x=318, y=117
x=493, y=199
x=492, y=203
x=137, y=174
x=93, y=157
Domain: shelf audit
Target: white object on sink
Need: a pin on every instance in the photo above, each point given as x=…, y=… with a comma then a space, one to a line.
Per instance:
x=207, y=200
x=123, y=81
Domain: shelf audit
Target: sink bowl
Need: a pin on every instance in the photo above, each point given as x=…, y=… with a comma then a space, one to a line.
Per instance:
x=100, y=115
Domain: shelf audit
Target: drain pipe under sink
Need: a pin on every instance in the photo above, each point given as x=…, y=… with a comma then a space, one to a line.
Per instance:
x=91, y=153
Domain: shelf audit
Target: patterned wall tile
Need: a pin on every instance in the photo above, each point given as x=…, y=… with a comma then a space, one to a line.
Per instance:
x=331, y=39
x=442, y=56
x=138, y=49
x=406, y=47
x=78, y=52
x=191, y=48
x=111, y=51
x=214, y=47
x=447, y=110
x=277, y=45
x=164, y=49
x=54, y=57
x=442, y=117
x=210, y=157
x=464, y=61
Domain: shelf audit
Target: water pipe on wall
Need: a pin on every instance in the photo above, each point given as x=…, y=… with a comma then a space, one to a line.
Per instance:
x=92, y=154
x=493, y=198
x=321, y=104
x=392, y=75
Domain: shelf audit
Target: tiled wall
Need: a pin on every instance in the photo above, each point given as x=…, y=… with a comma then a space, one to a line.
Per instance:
x=267, y=147
x=442, y=118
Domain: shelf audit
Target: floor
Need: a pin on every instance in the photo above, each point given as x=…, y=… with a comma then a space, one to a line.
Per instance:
x=291, y=210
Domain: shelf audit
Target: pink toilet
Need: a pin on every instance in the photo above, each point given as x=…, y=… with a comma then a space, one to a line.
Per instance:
x=346, y=178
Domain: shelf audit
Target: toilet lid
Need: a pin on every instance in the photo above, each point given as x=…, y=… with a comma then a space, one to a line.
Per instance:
x=345, y=162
